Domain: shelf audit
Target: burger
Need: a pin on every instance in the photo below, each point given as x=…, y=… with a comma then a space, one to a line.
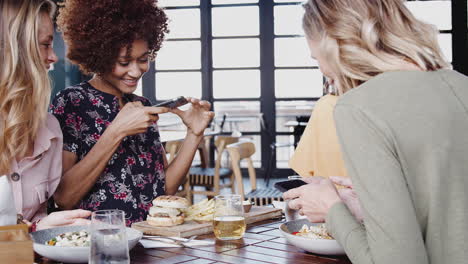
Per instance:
x=167, y=211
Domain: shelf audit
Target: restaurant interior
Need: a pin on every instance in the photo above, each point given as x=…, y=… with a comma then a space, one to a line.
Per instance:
x=256, y=71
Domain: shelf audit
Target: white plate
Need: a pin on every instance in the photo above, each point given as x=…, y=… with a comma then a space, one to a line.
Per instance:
x=71, y=254
x=318, y=246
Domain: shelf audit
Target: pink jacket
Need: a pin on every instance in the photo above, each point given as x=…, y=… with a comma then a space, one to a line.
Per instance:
x=34, y=179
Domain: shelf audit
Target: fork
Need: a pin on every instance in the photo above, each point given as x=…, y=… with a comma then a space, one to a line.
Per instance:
x=172, y=240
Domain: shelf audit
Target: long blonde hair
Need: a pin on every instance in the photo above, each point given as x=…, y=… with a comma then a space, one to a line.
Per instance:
x=24, y=82
x=363, y=38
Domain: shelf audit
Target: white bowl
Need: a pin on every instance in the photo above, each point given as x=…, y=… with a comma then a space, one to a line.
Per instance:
x=71, y=254
x=313, y=245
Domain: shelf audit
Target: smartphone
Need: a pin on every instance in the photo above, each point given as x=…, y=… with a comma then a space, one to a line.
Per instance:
x=284, y=186
x=173, y=103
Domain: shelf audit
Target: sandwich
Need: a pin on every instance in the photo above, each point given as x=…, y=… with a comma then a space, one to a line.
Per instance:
x=167, y=210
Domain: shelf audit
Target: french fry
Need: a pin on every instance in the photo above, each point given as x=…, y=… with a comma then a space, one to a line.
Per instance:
x=202, y=211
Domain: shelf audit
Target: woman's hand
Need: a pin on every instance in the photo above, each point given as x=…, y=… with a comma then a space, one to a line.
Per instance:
x=134, y=118
x=348, y=196
x=313, y=200
x=64, y=218
x=197, y=117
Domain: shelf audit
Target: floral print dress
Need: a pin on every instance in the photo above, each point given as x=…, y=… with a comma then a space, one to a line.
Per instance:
x=134, y=175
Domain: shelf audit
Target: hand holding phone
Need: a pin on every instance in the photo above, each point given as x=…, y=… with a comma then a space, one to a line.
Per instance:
x=284, y=186
x=173, y=103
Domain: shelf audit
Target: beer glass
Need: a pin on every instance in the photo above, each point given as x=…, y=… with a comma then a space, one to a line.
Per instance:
x=228, y=221
x=109, y=243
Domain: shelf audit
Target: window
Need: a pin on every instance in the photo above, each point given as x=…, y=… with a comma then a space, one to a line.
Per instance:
x=439, y=14
x=249, y=57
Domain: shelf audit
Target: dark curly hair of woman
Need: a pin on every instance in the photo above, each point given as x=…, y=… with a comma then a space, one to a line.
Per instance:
x=95, y=31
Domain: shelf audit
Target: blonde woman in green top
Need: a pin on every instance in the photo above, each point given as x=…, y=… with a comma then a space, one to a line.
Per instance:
x=402, y=122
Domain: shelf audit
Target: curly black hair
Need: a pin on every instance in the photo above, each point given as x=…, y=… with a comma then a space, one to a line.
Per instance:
x=95, y=31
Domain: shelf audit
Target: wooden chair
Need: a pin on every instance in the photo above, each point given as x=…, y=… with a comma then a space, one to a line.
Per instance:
x=172, y=147
x=210, y=177
x=244, y=151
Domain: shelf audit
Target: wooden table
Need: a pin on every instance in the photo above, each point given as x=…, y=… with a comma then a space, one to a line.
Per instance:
x=262, y=243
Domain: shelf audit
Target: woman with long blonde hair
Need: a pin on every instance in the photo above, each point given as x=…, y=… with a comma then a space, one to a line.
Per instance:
x=30, y=138
x=401, y=120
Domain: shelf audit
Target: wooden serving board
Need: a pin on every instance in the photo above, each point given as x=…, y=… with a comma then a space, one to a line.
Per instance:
x=191, y=228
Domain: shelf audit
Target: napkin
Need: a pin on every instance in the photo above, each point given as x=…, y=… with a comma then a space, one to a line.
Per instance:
x=7, y=203
x=150, y=243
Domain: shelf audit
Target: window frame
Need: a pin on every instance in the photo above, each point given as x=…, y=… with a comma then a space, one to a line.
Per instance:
x=267, y=68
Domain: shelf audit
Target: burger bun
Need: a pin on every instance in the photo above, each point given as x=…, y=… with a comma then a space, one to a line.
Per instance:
x=170, y=201
x=165, y=221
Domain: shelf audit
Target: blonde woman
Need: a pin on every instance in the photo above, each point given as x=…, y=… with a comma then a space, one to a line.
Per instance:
x=30, y=139
x=401, y=121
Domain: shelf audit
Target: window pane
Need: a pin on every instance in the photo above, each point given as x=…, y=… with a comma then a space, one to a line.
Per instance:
x=243, y=116
x=283, y=154
x=445, y=42
x=288, y=110
x=184, y=23
x=236, y=84
x=437, y=13
x=298, y=83
x=288, y=20
x=220, y=2
x=166, y=3
x=236, y=53
x=227, y=22
x=293, y=52
x=179, y=55
x=173, y=84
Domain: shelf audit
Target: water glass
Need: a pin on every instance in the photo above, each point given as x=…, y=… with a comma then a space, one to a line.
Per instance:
x=229, y=220
x=109, y=243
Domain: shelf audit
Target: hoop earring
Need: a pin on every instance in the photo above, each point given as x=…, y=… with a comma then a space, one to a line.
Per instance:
x=329, y=88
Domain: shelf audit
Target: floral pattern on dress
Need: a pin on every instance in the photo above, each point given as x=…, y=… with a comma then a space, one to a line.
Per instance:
x=134, y=175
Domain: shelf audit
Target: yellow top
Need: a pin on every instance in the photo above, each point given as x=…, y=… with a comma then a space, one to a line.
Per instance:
x=318, y=152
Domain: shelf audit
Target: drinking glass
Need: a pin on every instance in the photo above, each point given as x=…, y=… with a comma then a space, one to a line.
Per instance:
x=109, y=243
x=229, y=220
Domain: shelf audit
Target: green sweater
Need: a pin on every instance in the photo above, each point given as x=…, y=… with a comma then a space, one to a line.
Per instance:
x=404, y=137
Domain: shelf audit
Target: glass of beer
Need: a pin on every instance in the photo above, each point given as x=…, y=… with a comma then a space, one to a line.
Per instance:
x=229, y=220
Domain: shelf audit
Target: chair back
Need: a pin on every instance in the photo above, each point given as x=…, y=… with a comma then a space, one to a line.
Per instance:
x=172, y=147
x=238, y=152
x=220, y=143
x=210, y=177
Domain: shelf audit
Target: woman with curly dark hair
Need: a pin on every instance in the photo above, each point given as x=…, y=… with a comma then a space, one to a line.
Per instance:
x=113, y=157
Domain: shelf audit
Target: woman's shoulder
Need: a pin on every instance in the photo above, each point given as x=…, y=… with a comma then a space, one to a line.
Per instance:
x=73, y=91
x=53, y=125
x=72, y=96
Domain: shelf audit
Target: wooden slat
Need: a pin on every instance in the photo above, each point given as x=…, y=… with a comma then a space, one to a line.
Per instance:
x=200, y=261
x=257, y=229
x=177, y=259
x=216, y=256
x=268, y=255
x=274, y=232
